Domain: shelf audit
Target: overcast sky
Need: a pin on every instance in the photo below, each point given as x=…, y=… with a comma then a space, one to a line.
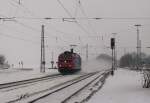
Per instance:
x=20, y=39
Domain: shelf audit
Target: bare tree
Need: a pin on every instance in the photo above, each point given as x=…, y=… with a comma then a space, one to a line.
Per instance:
x=2, y=59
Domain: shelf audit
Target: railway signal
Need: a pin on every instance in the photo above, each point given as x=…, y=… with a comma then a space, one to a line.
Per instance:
x=112, y=44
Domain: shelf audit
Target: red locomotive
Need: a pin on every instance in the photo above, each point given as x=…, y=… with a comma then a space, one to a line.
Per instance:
x=69, y=62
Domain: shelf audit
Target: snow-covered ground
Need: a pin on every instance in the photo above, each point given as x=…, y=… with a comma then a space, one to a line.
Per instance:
x=33, y=90
x=124, y=87
x=15, y=74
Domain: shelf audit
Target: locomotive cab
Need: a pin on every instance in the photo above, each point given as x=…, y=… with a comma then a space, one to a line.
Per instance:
x=69, y=62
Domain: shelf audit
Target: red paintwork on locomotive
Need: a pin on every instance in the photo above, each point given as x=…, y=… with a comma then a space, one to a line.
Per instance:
x=67, y=61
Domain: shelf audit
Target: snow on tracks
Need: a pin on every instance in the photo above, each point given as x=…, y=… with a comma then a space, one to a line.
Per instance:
x=66, y=91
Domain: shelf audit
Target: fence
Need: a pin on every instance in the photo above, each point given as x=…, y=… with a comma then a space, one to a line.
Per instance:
x=146, y=78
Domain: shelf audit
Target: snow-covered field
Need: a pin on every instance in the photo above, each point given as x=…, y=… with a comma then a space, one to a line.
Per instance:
x=124, y=87
x=12, y=74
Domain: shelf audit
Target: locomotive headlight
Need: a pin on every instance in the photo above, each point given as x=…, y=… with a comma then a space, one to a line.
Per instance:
x=65, y=61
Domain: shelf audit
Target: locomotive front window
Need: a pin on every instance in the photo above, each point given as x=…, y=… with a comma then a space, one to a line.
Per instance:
x=65, y=60
x=69, y=60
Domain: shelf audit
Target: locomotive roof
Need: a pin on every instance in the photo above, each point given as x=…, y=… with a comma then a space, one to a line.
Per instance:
x=68, y=53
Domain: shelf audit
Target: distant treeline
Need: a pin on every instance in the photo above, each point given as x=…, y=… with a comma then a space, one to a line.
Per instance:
x=130, y=60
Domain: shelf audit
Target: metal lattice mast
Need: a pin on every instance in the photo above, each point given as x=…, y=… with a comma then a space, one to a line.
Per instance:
x=42, y=66
x=138, y=45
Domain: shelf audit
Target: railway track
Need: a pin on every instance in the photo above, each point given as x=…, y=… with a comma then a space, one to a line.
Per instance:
x=60, y=88
x=65, y=85
x=52, y=90
x=90, y=86
x=29, y=81
x=14, y=94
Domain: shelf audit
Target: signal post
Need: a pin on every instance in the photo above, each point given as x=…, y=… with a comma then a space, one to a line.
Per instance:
x=112, y=44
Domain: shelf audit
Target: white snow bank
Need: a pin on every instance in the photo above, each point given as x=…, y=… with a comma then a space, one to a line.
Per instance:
x=124, y=87
x=12, y=74
x=16, y=74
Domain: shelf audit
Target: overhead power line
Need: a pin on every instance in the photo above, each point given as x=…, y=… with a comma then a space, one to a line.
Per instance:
x=64, y=8
x=85, y=15
x=80, y=18
x=79, y=25
x=19, y=32
x=19, y=4
x=37, y=30
x=18, y=38
x=27, y=26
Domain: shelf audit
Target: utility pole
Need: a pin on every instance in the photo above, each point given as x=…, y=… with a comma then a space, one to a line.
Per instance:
x=21, y=63
x=138, y=45
x=42, y=66
x=103, y=45
x=87, y=47
x=140, y=53
x=125, y=51
x=19, y=2
x=52, y=61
